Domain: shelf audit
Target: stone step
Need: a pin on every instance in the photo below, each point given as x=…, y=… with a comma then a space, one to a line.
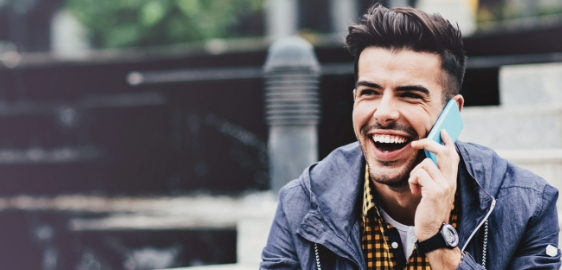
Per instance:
x=507, y=127
x=530, y=114
x=236, y=266
x=83, y=217
x=538, y=84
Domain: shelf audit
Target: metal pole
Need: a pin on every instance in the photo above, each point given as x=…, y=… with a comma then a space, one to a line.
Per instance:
x=281, y=18
x=292, y=108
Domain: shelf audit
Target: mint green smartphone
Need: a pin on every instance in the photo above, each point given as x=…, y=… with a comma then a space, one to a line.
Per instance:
x=450, y=120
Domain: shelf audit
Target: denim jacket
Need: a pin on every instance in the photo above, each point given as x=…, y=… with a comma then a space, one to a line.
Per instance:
x=508, y=215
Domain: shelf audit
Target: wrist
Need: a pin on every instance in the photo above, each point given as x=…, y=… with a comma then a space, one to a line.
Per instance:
x=428, y=231
x=423, y=235
x=446, y=237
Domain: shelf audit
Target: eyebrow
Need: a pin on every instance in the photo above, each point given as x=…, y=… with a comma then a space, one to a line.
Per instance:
x=417, y=88
x=368, y=84
x=404, y=88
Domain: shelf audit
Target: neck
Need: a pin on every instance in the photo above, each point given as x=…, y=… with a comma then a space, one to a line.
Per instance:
x=398, y=203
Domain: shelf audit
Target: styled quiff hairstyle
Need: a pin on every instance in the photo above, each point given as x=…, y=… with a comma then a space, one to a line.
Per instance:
x=411, y=29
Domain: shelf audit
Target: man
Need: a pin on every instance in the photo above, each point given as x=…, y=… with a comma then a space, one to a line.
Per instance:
x=380, y=204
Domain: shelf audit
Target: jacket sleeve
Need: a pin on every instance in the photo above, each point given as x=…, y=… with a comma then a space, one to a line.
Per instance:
x=538, y=248
x=280, y=253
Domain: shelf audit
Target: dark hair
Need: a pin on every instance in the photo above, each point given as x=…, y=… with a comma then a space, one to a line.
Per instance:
x=408, y=28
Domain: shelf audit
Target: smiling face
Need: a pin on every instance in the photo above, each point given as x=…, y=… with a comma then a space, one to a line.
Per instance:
x=398, y=98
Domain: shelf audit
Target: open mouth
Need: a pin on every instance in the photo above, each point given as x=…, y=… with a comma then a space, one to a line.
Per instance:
x=389, y=143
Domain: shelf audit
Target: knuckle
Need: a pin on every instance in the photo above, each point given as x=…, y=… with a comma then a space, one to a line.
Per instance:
x=412, y=174
x=456, y=157
x=440, y=193
x=450, y=189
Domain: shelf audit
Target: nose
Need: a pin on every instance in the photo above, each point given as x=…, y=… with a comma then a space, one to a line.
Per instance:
x=386, y=111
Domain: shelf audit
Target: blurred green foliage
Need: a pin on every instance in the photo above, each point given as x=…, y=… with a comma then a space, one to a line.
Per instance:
x=496, y=11
x=139, y=23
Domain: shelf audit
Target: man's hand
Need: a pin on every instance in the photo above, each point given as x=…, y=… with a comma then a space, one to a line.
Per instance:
x=437, y=185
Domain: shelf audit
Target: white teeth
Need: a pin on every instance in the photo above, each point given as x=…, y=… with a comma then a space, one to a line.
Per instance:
x=388, y=139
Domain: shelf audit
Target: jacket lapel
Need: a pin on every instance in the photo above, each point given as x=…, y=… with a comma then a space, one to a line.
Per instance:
x=473, y=179
x=475, y=204
x=334, y=188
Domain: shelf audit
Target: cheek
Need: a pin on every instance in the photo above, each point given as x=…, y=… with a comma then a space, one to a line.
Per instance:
x=361, y=115
x=355, y=120
x=421, y=121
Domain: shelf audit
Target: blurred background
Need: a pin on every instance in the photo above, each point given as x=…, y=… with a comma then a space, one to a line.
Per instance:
x=142, y=134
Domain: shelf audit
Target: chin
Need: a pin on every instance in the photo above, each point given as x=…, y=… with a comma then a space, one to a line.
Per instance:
x=392, y=178
x=393, y=175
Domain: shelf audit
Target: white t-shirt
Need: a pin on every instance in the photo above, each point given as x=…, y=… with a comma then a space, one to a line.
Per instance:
x=407, y=234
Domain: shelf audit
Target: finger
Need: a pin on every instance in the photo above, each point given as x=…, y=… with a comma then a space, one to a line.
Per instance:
x=414, y=186
x=431, y=169
x=448, y=184
x=450, y=153
x=421, y=180
x=447, y=140
x=413, y=182
x=435, y=175
x=427, y=144
x=421, y=165
x=433, y=146
x=446, y=155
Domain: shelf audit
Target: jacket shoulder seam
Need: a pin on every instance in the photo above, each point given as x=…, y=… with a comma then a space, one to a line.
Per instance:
x=521, y=187
x=541, y=203
x=291, y=188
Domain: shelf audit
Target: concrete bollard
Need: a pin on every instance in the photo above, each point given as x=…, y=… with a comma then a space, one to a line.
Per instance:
x=292, y=108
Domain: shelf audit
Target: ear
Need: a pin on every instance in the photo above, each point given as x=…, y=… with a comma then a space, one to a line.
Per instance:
x=460, y=101
x=354, y=94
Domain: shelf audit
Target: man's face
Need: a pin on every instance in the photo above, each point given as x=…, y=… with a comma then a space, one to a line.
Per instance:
x=398, y=98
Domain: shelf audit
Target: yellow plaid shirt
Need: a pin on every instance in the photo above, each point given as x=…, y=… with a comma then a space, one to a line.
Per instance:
x=374, y=236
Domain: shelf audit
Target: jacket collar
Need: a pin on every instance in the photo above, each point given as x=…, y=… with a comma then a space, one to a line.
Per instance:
x=335, y=191
x=480, y=174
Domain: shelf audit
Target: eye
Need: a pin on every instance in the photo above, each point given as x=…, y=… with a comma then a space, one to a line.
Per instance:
x=368, y=92
x=411, y=95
